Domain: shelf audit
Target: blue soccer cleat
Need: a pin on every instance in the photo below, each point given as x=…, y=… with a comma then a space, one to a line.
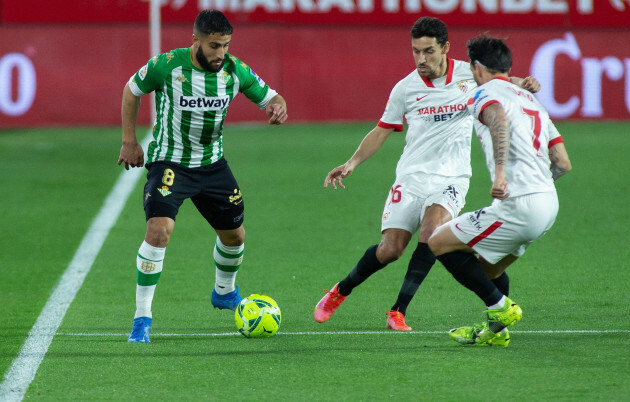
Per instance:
x=140, y=330
x=227, y=301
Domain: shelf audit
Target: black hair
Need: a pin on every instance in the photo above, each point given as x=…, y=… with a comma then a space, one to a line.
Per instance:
x=212, y=21
x=432, y=28
x=492, y=53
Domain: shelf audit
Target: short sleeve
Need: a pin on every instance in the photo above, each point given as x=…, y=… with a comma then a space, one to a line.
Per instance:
x=252, y=85
x=394, y=110
x=147, y=79
x=480, y=100
x=554, y=134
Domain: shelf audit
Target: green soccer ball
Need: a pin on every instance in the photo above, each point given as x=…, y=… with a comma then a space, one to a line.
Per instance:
x=257, y=316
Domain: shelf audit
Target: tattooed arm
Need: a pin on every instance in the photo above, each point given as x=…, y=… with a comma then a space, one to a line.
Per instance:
x=494, y=117
x=560, y=163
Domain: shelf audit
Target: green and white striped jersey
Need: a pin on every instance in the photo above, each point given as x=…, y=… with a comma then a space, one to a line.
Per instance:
x=192, y=103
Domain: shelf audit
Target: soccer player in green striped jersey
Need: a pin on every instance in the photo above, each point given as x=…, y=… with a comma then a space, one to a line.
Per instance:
x=194, y=87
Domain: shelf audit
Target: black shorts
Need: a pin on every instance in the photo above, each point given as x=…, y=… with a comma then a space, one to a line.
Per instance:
x=213, y=189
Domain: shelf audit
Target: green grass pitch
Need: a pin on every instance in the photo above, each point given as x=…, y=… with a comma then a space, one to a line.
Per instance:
x=572, y=343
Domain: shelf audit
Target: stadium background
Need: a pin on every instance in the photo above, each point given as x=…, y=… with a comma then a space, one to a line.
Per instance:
x=65, y=63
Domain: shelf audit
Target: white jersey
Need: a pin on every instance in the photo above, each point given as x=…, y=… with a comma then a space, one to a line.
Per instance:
x=440, y=127
x=532, y=133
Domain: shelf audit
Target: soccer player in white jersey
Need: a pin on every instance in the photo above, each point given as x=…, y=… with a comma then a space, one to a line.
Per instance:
x=193, y=87
x=433, y=172
x=524, y=154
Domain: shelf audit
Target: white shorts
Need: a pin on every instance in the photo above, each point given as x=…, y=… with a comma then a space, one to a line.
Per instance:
x=507, y=227
x=411, y=195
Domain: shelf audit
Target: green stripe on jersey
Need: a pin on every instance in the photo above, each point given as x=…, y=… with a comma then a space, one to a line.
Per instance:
x=181, y=153
x=209, y=138
x=191, y=105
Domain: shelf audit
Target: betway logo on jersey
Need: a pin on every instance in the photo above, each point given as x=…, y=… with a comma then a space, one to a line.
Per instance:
x=203, y=103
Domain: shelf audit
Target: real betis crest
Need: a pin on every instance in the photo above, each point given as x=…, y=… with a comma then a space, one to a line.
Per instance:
x=164, y=191
x=225, y=77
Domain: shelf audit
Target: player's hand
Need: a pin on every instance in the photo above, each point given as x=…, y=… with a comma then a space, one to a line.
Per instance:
x=334, y=176
x=131, y=155
x=499, y=189
x=531, y=84
x=277, y=113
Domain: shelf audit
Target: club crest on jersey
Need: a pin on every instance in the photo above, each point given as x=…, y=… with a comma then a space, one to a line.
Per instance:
x=225, y=77
x=463, y=85
x=203, y=103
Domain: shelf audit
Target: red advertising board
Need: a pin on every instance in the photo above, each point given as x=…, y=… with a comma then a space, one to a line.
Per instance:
x=526, y=13
x=73, y=74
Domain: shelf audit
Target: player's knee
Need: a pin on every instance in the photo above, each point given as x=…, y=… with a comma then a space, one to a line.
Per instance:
x=387, y=252
x=239, y=237
x=234, y=237
x=435, y=246
x=158, y=233
x=425, y=233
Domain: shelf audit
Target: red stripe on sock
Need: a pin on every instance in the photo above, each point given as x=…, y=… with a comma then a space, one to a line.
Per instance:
x=485, y=233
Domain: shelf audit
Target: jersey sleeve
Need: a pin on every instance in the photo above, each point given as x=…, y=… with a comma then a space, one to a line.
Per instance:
x=148, y=78
x=554, y=135
x=481, y=99
x=252, y=86
x=394, y=110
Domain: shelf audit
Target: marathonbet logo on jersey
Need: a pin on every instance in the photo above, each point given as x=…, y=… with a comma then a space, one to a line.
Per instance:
x=203, y=103
x=441, y=113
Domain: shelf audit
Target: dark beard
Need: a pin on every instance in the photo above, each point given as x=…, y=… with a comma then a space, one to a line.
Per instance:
x=201, y=59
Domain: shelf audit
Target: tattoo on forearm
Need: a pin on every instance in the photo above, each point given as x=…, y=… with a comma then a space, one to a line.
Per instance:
x=557, y=172
x=495, y=119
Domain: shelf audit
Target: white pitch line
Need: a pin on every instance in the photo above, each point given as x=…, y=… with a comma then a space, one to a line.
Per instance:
x=220, y=334
x=24, y=367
